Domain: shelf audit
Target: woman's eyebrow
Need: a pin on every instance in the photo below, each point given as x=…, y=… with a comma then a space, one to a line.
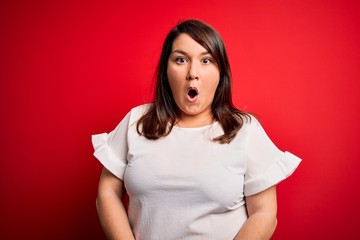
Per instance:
x=185, y=53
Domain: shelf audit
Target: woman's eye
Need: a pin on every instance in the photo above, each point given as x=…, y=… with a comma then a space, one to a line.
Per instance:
x=180, y=60
x=207, y=60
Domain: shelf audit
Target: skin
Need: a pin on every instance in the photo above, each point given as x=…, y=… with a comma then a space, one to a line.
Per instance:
x=110, y=207
x=189, y=66
x=262, y=209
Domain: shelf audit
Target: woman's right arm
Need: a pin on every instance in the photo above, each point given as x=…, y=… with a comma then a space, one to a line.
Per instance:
x=110, y=208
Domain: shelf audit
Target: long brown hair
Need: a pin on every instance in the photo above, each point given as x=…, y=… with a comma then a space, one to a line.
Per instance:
x=160, y=118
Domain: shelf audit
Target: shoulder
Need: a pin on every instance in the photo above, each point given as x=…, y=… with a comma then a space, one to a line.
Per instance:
x=137, y=112
x=250, y=126
x=141, y=109
x=255, y=134
x=249, y=122
x=134, y=114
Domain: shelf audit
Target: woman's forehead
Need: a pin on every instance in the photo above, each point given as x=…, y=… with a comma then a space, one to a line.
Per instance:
x=186, y=44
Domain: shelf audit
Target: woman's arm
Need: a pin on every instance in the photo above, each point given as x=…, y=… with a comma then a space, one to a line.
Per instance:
x=110, y=208
x=262, y=209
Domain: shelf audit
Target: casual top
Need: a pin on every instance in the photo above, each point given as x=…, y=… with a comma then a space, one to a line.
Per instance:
x=186, y=186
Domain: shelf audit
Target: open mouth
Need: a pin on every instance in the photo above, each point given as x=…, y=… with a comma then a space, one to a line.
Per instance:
x=192, y=93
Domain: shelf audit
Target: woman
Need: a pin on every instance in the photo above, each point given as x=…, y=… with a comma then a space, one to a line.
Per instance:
x=193, y=165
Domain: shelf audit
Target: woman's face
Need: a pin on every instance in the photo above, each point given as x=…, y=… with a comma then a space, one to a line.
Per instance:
x=193, y=77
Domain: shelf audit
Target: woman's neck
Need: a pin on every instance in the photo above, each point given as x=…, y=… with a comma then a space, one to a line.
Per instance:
x=193, y=121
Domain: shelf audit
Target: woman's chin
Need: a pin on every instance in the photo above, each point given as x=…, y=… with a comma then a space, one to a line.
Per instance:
x=195, y=111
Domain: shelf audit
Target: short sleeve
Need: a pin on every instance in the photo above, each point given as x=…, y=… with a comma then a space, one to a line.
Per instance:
x=111, y=149
x=266, y=164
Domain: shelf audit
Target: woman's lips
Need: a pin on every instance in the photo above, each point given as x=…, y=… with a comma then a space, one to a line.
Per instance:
x=192, y=94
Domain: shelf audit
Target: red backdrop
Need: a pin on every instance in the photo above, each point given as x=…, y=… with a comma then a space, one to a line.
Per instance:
x=69, y=69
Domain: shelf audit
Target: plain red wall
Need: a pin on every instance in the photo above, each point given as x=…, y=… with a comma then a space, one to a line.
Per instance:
x=70, y=69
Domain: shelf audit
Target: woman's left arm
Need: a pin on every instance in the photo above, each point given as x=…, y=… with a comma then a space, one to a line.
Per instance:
x=262, y=209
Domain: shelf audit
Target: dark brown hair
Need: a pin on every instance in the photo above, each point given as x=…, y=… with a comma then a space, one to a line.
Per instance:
x=160, y=118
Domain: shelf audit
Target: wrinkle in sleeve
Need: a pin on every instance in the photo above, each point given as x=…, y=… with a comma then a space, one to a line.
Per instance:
x=111, y=149
x=266, y=164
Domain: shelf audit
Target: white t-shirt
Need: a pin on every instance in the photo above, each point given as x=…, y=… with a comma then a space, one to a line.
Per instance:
x=185, y=186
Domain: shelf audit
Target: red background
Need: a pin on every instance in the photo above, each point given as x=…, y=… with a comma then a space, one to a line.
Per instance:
x=70, y=69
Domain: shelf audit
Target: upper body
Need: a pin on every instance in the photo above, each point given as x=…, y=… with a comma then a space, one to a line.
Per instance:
x=186, y=186
x=193, y=165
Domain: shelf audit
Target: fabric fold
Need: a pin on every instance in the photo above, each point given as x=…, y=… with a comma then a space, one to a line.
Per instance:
x=279, y=171
x=105, y=155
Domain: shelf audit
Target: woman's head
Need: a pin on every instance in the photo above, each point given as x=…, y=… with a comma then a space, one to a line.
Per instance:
x=204, y=46
x=211, y=42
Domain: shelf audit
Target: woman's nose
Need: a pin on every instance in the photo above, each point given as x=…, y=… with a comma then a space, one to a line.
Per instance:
x=193, y=72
